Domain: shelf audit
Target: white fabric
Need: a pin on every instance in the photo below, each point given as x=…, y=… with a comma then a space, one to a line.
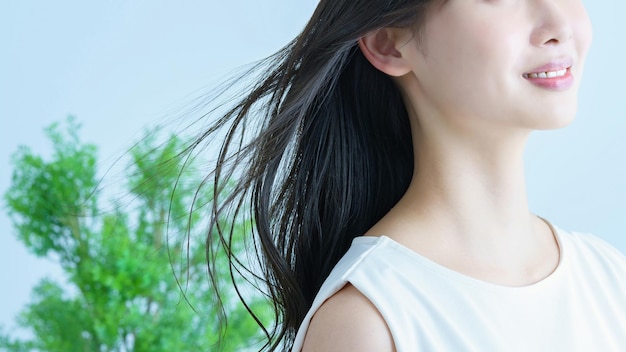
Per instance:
x=581, y=306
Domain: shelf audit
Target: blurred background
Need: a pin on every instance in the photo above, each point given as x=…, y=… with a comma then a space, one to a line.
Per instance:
x=123, y=66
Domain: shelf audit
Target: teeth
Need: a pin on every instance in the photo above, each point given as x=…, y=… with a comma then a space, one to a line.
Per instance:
x=550, y=74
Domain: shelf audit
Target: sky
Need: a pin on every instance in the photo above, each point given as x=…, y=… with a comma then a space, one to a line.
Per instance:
x=122, y=66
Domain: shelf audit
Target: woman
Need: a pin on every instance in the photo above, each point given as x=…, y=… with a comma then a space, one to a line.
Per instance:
x=389, y=151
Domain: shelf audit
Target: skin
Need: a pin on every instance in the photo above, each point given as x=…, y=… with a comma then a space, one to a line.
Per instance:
x=471, y=112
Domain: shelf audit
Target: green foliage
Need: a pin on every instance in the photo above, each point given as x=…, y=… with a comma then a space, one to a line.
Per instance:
x=137, y=274
x=48, y=200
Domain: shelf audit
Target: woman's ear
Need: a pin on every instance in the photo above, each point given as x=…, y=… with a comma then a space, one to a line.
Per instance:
x=385, y=50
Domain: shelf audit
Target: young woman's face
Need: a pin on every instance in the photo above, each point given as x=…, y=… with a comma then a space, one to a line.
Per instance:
x=505, y=61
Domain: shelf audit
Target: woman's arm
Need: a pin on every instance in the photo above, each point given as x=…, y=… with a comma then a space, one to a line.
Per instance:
x=348, y=321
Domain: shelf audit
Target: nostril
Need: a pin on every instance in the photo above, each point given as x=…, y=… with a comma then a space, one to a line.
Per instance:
x=552, y=41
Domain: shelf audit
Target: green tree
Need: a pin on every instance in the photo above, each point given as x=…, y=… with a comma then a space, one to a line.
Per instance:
x=137, y=273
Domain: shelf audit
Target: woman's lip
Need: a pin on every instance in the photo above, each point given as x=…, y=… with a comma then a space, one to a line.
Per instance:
x=553, y=83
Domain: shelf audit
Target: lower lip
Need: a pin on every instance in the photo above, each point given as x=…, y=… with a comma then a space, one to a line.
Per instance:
x=554, y=83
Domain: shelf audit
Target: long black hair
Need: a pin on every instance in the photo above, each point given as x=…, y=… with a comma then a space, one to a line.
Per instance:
x=321, y=149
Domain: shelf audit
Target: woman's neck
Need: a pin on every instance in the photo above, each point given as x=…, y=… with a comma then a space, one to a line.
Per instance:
x=478, y=187
x=467, y=209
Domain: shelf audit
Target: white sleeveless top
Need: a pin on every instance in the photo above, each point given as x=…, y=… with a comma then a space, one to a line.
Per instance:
x=581, y=306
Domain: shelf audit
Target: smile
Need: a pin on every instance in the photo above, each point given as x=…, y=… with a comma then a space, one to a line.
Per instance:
x=548, y=74
x=557, y=80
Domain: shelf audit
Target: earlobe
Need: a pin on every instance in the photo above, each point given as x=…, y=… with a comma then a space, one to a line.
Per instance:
x=381, y=48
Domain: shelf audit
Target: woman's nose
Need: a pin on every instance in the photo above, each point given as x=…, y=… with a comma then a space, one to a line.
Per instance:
x=553, y=21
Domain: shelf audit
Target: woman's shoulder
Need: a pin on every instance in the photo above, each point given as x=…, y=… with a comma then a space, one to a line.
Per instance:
x=348, y=321
x=594, y=253
x=342, y=318
x=591, y=245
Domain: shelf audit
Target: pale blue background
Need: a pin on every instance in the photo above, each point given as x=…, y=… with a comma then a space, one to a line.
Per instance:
x=120, y=66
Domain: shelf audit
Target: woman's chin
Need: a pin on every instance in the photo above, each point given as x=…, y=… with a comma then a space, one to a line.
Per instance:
x=557, y=118
x=557, y=122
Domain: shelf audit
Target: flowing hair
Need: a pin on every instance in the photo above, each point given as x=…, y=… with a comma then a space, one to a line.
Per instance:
x=321, y=149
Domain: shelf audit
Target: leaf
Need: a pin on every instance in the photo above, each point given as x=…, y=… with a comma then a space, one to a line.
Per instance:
x=137, y=274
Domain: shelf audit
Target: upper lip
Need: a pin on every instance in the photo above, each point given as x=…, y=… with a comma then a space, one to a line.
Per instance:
x=553, y=65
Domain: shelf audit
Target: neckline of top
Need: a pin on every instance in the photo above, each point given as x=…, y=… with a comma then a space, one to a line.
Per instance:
x=456, y=276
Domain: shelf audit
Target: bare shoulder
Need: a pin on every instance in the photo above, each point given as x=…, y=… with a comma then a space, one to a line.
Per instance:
x=348, y=321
